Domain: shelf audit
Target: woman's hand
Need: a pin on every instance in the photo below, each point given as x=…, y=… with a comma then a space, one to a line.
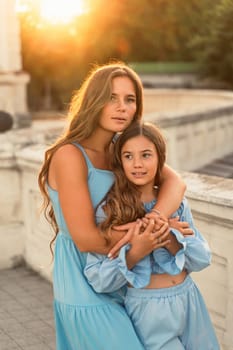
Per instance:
x=126, y=231
x=182, y=226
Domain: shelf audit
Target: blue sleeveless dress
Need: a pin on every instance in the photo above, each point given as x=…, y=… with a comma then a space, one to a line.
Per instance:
x=84, y=319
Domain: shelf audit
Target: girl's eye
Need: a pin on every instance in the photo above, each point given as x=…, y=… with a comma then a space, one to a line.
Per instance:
x=128, y=156
x=146, y=155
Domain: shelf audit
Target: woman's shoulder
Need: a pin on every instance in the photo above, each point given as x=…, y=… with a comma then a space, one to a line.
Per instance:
x=69, y=151
x=68, y=156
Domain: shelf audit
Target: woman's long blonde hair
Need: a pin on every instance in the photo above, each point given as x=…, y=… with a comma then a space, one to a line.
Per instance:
x=84, y=112
x=123, y=202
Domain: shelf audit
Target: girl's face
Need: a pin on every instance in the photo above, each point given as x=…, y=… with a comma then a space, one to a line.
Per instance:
x=119, y=112
x=140, y=161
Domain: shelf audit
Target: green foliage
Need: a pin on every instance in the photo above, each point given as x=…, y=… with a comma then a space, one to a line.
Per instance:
x=215, y=44
x=164, y=67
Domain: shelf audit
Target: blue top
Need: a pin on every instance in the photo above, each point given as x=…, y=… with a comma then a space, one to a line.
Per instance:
x=107, y=275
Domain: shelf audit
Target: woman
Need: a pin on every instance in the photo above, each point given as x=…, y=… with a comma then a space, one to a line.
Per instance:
x=74, y=178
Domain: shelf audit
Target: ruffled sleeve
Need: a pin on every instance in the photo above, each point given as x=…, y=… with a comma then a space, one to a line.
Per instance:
x=197, y=252
x=107, y=276
x=193, y=256
x=103, y=274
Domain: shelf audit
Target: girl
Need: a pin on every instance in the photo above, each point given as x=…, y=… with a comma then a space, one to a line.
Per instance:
x=74, y=178
x=164, y=304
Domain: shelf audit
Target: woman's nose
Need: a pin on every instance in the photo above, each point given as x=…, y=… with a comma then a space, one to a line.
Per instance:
x=121, y=104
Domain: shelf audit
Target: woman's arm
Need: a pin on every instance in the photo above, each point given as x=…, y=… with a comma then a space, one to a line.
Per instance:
x=171, y=192
x=68, y=175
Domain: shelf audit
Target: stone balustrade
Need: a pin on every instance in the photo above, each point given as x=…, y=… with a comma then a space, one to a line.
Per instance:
x=198, y=125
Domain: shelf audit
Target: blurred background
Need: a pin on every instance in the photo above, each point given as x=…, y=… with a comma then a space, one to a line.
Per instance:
x=183, y=53
x=61, y=40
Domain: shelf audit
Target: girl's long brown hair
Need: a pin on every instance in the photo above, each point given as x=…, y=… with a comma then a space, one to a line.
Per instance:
x=84, y=112
x=123, y=202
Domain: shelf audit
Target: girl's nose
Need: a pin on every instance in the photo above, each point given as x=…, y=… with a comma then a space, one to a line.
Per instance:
x=137, y=162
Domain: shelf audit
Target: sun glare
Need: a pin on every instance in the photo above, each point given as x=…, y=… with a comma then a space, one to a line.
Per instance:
x=61, y=11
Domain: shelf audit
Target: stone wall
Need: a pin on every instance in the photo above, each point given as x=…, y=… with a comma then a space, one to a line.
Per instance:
x=211, y=200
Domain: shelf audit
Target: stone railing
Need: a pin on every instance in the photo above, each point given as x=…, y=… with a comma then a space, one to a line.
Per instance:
x=25, y=234
x=198, y=125
x=211, y=200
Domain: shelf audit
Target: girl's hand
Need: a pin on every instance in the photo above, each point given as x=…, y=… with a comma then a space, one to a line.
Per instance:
x=143, y=243
x=154, y=236
x=182, y=226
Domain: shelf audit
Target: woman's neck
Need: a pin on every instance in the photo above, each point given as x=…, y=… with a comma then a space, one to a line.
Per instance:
x=99, y=142
x=99, y=149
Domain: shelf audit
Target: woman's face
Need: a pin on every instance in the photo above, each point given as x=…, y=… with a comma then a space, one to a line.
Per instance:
x=140, y=161
x=119, y=112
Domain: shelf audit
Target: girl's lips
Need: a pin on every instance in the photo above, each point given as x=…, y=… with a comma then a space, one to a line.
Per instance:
x=138, y=174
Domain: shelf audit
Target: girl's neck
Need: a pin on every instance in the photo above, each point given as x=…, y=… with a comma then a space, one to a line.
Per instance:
x=148, y=194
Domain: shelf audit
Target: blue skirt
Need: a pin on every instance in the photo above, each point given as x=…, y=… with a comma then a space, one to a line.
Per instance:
x=174, y=318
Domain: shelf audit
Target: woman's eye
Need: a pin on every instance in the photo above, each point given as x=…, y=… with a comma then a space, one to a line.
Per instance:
x=113, y=98
x=131, y=100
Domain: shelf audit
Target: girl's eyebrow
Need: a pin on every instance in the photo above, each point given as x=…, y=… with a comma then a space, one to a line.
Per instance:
x=144, y=150
x=126, y=152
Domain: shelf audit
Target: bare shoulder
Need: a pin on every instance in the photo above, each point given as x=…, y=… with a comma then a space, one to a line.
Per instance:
x=68, y=154
x=67, y=160
x=67, y=150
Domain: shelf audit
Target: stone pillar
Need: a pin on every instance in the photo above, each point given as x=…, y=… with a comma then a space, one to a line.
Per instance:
x=13, y=80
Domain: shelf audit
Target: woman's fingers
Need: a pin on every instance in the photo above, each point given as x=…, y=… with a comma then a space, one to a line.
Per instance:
x=145, y=222
x=155, y=216
x=187, y=232
x=125, y=227
x=132, y=230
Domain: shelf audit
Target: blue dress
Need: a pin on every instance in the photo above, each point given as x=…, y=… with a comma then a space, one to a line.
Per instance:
x=84, y=319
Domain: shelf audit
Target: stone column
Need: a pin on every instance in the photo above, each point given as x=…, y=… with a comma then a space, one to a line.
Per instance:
x=13, y=80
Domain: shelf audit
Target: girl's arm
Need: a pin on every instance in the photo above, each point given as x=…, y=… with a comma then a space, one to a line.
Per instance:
x=171, y=192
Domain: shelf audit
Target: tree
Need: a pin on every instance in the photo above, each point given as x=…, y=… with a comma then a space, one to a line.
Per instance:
x=215, y=44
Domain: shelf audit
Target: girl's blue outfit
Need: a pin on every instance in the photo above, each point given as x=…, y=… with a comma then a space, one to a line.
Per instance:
x=84, y=319
x=174, y=318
